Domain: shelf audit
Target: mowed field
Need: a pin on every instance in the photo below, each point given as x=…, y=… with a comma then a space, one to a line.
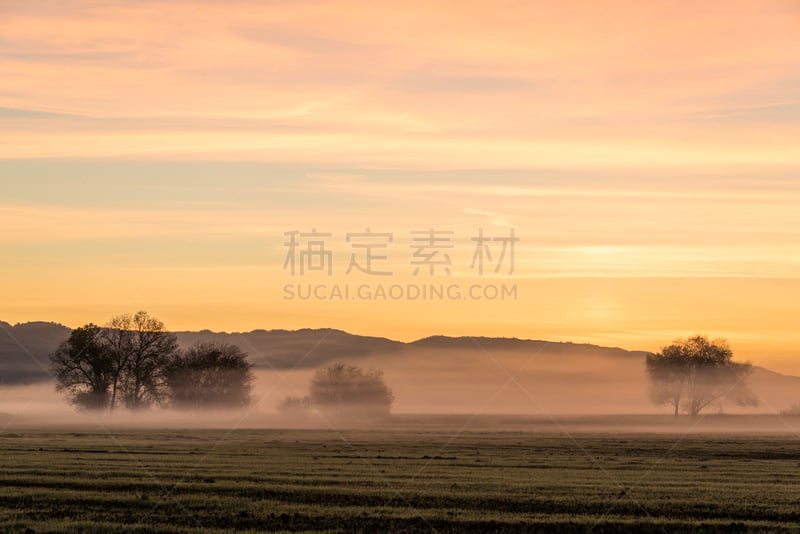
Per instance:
x=397, y=480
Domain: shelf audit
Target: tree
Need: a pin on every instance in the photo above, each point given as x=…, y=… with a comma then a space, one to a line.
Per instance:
x=294, y=405
x=695, y=373
x=209, y=375
x=140, y=347
x=123, y=361
x=346, y=387
x=792, y=410
x=83, y=368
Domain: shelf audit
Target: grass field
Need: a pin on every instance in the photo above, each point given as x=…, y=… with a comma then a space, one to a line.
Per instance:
x=397, y=480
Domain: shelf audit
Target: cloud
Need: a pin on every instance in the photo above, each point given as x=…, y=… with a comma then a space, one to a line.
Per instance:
x=469, y=84
x=43, y=223
x=623, y=138
x=18, y=113
x=533, y=84
x=496, y=219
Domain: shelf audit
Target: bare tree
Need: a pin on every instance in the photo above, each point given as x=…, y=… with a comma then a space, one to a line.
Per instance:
x=695, y=373
x=209, y=375
x=139, y=346
x=82, y=368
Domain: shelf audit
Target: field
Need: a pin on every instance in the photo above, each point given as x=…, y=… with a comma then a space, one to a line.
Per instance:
x=396, y=480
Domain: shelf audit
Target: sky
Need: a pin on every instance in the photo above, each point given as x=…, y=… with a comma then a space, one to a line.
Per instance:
x=160, y=155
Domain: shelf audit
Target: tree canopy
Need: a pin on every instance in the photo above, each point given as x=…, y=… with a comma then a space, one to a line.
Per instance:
x=209, y=374
x=83, y=368
x=693, y=374
x=340, y=386
x=134, y=361
x=139, y=346
x=343, y=390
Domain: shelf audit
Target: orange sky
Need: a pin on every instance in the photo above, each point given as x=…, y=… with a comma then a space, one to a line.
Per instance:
x=152, y=155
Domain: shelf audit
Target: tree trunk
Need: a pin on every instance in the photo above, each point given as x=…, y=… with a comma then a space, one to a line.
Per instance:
x=114, y=393
x=695, y=409
x=136, y=387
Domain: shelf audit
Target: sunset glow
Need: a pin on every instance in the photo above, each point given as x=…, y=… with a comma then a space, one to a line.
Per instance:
x=153, y=156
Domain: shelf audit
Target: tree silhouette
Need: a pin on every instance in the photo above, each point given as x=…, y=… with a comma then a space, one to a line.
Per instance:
x=346, y=387
x=123, y=361
x=294, y=405
x=140, y=347
x=209, y=375
x=695, y=373
x=83, y=368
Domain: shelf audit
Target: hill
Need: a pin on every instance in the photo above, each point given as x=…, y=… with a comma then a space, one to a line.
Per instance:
x=25, y=350
x=437, y=373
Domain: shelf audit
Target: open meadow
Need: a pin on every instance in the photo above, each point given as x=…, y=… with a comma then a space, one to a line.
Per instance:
x=398, y=479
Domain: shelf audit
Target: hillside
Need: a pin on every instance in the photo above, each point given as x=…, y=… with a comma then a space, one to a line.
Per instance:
x=438, y=373
x=25, y=350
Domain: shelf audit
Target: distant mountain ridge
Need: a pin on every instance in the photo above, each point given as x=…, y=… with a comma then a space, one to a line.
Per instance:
x=304, y=348
x=25, y=350
x=513, y=343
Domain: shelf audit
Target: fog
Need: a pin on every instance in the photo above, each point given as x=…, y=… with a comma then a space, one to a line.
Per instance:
x=507, y=382
x=436, y=386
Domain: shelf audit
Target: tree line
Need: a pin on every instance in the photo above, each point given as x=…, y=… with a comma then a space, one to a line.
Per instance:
x=690, y=375
x=134, y=362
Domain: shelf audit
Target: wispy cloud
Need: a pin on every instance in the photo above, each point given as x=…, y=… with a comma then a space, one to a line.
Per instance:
x=157, y=150
x=516, y=91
